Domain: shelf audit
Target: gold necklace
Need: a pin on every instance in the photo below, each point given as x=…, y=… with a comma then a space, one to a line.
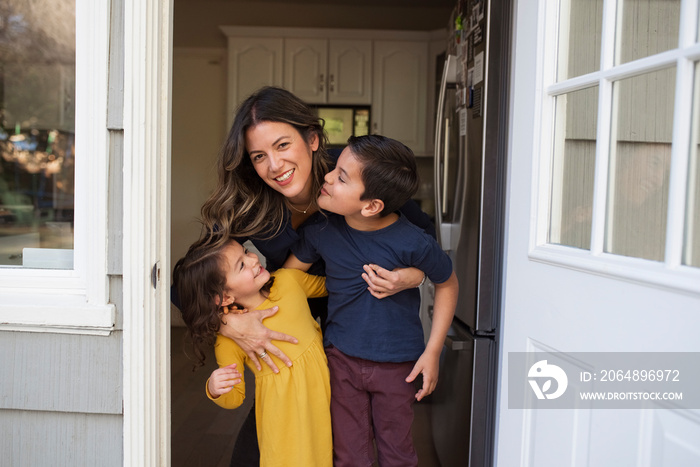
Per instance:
x=299, y=210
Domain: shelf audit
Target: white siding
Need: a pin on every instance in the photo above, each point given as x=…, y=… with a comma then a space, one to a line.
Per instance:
x=61, y=372
x=57, y=439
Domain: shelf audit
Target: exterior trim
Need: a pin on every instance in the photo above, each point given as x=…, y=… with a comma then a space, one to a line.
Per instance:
x=147, y=111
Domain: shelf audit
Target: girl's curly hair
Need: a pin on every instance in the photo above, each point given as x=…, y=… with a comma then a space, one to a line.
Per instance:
x=199, y=280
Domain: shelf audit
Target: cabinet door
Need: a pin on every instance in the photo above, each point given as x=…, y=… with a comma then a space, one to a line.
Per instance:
x=305, y=69
x=350, y=71
x=253, y=62
x=400, y=92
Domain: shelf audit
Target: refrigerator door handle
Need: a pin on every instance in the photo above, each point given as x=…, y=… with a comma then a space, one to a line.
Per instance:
x=449, y=76
x=439, y=146
x=445, y=165
x=454, y=344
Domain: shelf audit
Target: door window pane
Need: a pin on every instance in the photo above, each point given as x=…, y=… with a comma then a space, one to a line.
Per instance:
x=647, y=28
x=37, y=125
x=639, y=165
x=580, y=32
x=691, y=250
x=573, y=168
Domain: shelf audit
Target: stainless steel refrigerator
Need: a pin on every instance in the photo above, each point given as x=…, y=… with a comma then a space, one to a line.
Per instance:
x=470, y=177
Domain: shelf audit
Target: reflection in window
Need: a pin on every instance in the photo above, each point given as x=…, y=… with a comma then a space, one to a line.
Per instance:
x=691, y=250
x=639, y=165
x=37, y=125
x=573, y=168
x=648, y=28
x=580, y=32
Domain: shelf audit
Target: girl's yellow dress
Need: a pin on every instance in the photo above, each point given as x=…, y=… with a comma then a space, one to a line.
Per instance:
x=292, y=408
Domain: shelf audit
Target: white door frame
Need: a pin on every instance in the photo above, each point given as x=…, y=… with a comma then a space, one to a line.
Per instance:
x=146, y=310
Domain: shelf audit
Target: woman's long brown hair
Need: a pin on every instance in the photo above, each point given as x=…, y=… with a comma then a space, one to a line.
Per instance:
x=242, y=204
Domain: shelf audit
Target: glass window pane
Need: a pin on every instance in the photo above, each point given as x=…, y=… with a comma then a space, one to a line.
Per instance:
x=691, y=248
x=640, y=157
x=573, y=168
x=37, y=125
x=580, y=32
x=648, y=27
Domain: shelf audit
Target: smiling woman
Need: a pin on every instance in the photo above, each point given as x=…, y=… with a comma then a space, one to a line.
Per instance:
x=281, y=158
x=241, y=203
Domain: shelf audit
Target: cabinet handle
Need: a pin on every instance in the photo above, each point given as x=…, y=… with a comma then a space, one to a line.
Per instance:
x=321, y=82
x=332, y=83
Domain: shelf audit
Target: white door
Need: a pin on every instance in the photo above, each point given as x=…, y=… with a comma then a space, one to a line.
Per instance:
x=602, y=242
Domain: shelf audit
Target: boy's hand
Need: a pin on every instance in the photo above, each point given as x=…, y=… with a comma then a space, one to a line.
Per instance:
x=223, y=379
x=428, y=365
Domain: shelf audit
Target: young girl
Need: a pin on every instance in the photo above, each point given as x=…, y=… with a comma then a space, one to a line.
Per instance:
x=293, y=406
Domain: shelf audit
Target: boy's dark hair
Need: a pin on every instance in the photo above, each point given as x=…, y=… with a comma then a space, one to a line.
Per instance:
x=388, y=172
x=199, y=280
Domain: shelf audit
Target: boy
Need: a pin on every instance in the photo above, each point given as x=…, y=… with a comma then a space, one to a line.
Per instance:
x=375, y=348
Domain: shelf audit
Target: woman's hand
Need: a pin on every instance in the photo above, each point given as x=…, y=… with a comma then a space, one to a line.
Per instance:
x=223, y=379
x=254, y=338
x=383, y=283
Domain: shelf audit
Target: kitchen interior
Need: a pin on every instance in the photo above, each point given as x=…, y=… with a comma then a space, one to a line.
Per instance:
x=402, y=68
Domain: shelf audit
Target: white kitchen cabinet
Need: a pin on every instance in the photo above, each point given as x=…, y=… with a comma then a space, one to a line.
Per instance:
x=399, y=92
x=306, y=68
x=253, y=62
x=388, y=70
x=329, y=71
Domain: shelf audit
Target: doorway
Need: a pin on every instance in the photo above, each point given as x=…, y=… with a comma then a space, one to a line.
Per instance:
x=201, y=432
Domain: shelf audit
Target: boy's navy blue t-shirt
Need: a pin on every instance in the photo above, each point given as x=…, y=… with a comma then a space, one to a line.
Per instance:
x=358, y=324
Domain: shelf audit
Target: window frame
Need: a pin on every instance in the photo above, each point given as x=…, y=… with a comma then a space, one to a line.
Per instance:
x=670, y=273
x=75, y=300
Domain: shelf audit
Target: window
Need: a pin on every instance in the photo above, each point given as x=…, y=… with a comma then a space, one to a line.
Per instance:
x=37, y=133
x=53, y=209
x=619, y=162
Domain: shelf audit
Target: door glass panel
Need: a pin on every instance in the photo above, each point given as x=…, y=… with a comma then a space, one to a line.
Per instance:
x=647, y=28
x=580, y=32
x=691, y=248
x=573, y=168
x=640, y=157
x=37, y=128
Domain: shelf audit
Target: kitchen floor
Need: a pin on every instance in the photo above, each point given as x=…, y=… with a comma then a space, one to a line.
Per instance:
x=203, y=434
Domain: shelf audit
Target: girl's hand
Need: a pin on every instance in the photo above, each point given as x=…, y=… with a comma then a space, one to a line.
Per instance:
x=223, y=379
x=383, y=283
x=254, y=338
